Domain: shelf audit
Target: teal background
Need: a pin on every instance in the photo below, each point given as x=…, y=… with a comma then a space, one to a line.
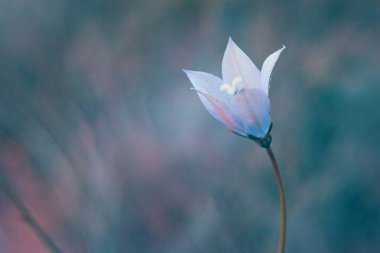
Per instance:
x=102, y=138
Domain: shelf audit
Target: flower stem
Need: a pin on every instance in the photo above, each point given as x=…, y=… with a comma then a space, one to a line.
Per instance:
x=29, y=219
x=281, y=191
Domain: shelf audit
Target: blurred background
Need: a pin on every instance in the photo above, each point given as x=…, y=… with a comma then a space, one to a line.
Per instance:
x=111, y=151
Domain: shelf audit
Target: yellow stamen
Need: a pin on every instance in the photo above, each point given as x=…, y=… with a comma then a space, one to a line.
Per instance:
x=231, y=89
x=236, y=81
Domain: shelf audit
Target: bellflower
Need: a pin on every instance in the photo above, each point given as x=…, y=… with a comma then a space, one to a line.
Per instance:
x=239, y=100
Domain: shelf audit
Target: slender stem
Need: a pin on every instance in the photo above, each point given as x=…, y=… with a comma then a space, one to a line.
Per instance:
x=29, y=219
x=281, y=191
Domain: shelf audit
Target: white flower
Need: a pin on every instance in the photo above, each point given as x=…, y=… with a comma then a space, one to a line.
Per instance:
x=240, y=100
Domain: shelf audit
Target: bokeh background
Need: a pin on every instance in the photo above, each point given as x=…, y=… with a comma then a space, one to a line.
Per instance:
x=110, y=150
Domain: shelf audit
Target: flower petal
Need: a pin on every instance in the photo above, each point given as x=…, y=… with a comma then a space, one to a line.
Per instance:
x=207, y=83
x=253, y=108
x=237, y=64
x=222, y=112
x=267, y=68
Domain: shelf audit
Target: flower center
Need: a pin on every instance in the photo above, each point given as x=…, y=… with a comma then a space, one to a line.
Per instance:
x=231, y=89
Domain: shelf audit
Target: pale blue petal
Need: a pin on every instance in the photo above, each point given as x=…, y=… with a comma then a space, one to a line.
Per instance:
x=253, y=108
x=215, y=101
x=267, y=68
x=237, y=64
x=207, y=83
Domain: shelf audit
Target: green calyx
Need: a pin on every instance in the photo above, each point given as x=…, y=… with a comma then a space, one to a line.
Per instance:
x=265, y=141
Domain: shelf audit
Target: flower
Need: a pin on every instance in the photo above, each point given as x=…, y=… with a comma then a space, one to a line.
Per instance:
x=240, y=100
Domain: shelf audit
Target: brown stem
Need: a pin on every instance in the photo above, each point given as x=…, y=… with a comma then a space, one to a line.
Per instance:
x=281, y=191
x=29, y=219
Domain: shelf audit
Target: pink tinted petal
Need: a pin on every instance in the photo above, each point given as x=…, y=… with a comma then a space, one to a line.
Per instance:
x=236, y=63
x=267, y=68
x=207, y=83
x=221, y=112
x=253, y=108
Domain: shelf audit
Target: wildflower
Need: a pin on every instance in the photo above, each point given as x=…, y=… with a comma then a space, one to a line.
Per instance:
x=240, y=100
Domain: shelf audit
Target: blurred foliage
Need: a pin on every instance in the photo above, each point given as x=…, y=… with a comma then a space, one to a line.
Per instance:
x=102, y=138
